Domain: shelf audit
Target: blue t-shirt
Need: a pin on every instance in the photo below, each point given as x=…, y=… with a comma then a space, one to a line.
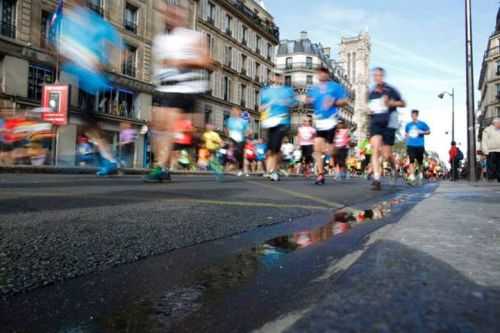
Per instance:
x=237, y=128
x=261, y=151
x=415, y=131
x=325, y=117
x=279, y=100
x=84, y=40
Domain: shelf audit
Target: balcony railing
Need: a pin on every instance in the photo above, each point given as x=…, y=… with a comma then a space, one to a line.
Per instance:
x=257, y=50
x=210, y=20
x=129, y=69
x=8, y=30
x=244, y=42
x=257, y=78
x=130, y=26
x=96, y=8
x=270, y=28
x=229, y=32
x=243, y=72
x=298, y=65
x=243, y=103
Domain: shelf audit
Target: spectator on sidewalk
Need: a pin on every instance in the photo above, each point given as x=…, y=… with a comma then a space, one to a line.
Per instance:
x=491, y=147
x=456, y=156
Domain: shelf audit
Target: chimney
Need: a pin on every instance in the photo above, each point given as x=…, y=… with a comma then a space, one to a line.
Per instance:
x=327, y=51
x=303, y=35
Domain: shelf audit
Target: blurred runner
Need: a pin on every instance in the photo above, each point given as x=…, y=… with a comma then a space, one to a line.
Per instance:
x=275, y=104
x=213, y=143
x=365, y=154
x=287, y=149
x=326, y=97
x=237, y=130
x=85, y=42
x=128, y=136
x=342, y=142
x=250, y=155
x=383, y=103
x=180, y=57
x=416, y=131
x=261, y=149
x=305, y=137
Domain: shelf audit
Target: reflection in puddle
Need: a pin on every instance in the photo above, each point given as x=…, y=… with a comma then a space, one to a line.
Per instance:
x=209, y=284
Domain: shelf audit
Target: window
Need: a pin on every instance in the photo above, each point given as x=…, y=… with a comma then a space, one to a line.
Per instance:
x=130, y=18
x=209, y=44
x=208, y=114
x=288, y=80
x=243, y=96
x=37, y=77
x=498, y=112
x=268, y=75
x=498, y=67
x=129, y=60
x=227, y=25
x=309, y=80
x=257, y=100
x=211, y=13
x=289, y=63
x=269, y=51
x=228, y=56
x=86, y=101
x=227, y=89
x=244, y=36
x=8, y=18
x=309, y=62
x=243, y=64
x=257, y=47
x=96, y=6
x=257, y=72
x=46, y=34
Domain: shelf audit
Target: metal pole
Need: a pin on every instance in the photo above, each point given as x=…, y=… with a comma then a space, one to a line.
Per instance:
x=453, y=114
x=471, y=121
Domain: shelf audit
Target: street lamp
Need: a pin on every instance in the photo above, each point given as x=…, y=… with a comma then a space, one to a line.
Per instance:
x=452, y=94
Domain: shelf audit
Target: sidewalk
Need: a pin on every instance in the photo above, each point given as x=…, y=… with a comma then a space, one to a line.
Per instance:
x=438, y=270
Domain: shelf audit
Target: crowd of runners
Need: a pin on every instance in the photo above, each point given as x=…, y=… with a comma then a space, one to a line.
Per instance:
x=322, y=145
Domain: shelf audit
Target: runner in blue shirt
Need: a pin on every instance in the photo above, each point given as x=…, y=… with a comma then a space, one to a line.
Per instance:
x=416, y=131
x=275, y=103
x=237, y=130
x=326, y=97
x=84, y=44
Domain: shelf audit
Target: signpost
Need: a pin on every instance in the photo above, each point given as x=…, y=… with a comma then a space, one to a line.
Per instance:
x=55, y=106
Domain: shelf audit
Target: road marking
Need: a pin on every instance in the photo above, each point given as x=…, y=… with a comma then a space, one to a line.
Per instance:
x=184, y=200
x=247, y=204
x=330, y=204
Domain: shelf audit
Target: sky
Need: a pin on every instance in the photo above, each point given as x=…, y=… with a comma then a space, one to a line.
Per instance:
x=421, y=44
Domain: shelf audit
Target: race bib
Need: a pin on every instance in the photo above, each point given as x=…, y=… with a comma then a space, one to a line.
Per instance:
x=326, y=124
x=414, y=133
x=377, y=106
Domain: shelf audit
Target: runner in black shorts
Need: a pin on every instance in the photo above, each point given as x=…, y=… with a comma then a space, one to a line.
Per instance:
x=415, y=132
x=383, y=103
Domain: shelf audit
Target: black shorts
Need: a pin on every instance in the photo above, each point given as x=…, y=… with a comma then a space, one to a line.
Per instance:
x=307, y=153
x=239, y=151
x=388, y=134
x=185, y=102
x=275, y=136
x=328, y=135
x=341, y=156
x=416, y=154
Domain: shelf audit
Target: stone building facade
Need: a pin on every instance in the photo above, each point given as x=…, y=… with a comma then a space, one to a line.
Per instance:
x=26, y=64
x=355, y=59
x=242, y=38
x=298, y=60
x=489, y=81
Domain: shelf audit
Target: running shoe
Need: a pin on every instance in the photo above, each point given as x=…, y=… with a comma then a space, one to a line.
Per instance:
x=275, y=177
x=157, y=175
x=108, y=168
x=320, y=180
x=376, y=185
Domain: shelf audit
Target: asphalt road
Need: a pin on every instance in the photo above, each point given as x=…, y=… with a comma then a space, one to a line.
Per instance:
x=104, y=248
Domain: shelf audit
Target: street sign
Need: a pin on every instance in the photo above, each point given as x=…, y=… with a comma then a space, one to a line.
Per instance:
x=55, y=104
x=245, y=115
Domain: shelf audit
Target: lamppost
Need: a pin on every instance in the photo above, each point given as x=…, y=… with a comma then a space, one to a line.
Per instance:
x=452, y=94
x=471, y=116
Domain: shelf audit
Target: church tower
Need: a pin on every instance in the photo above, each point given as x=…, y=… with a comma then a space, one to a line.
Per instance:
x=355, y=59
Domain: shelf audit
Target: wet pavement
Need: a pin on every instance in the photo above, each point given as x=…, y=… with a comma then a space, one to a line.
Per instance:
x=235, y=283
